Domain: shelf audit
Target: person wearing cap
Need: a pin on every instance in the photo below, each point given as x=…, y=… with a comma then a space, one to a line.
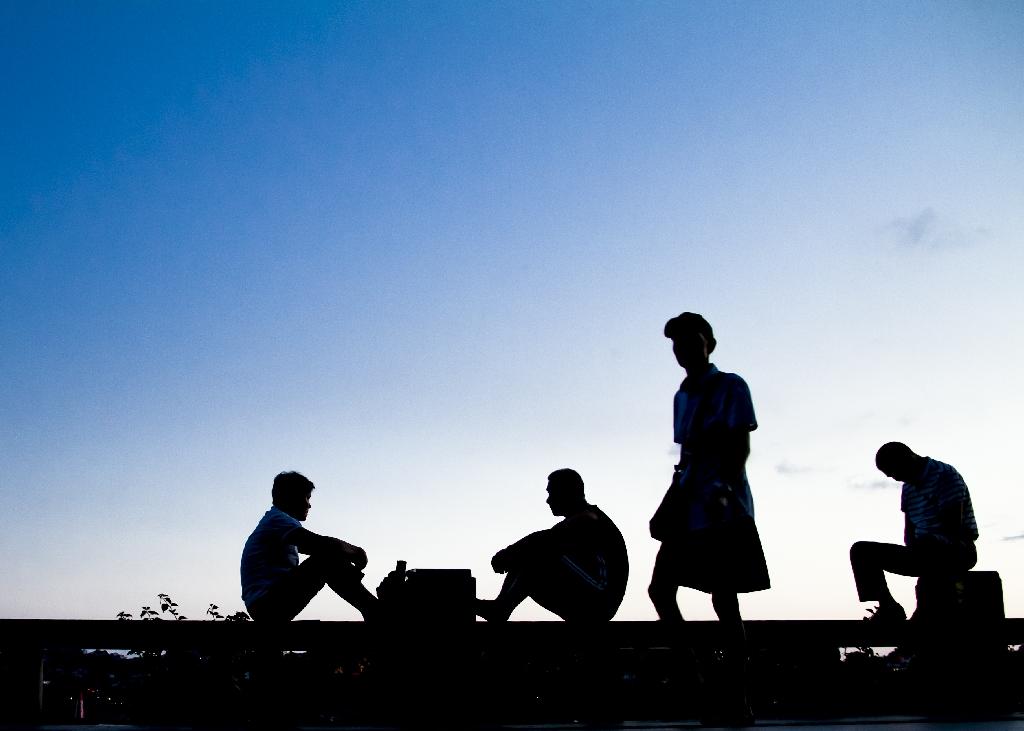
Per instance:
x=939, y=529
x=275, y=585
x=577, y=569
x=705, y=523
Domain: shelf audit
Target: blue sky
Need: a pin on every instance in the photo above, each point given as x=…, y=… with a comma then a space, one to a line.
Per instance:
x=423, y=253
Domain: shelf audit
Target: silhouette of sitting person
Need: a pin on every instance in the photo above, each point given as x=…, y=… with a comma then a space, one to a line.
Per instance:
x=576, y=569
x=939, y=529
x=275, y=586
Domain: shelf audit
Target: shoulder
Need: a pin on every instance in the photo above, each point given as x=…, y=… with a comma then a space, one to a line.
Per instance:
x=278, y=518
x=945, y=473
x=936, y=470
x=721, y=384
x=607, y=524
x=730, y=388
x=584, y=520
x=730, y=381
x=732, y=402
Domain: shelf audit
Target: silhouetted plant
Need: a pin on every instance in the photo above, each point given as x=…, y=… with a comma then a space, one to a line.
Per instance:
x=214, y=613
x=158, y=659
x=169, y=606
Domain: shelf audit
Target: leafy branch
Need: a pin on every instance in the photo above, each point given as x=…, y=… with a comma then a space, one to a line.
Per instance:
x=214, y=612
x=170, y=607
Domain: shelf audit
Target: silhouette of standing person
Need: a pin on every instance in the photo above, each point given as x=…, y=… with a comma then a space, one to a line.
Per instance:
x=275, y=586
x=576, y=569
x=705, y=523
x=939, y=529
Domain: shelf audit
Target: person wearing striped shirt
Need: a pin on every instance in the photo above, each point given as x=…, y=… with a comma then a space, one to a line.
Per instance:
x=576, y=569
x=939, y=529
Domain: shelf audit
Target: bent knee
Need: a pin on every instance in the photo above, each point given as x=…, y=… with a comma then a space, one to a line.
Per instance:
x=659, y=590
x=859, y=550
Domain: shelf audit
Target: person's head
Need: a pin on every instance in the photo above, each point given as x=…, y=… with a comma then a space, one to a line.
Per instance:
x=898, y=461
x=565, y=492
x=693, y=341
x=291, y=493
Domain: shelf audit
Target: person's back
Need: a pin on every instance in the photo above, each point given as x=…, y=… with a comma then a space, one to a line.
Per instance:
x=926, y=499
x=268, y=554
x=593, y=546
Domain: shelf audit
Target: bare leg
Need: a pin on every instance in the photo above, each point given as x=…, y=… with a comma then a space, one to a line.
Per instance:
x=513, y=592
x=727, y=607
x=663, y=592
x=663, y=595
x=347, y=583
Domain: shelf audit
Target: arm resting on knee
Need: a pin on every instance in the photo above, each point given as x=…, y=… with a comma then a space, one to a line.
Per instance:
x=313, y=544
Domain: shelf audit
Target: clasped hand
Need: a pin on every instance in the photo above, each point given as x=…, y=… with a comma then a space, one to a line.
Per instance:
x=354, y=554
x=500, y=562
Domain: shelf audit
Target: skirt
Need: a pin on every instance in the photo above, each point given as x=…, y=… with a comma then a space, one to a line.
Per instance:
x=727, y=557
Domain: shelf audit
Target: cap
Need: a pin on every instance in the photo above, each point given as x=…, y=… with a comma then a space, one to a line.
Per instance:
x=689, y=322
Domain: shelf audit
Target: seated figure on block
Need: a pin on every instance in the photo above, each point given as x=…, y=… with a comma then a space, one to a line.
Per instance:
x=939, y=533
x=576, y=569
x=275, y=586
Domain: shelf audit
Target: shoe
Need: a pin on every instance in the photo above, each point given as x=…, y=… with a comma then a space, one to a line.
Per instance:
x=490, y=610
x=887, y=614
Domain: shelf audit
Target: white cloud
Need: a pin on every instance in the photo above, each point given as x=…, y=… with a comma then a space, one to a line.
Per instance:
x=927, y=229
x=785, y=467
x=873, y=484
x=916, y=229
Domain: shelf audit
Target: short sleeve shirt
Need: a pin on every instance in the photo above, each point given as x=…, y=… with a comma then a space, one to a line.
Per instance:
x=924, y=499
x=268, y=554
x=729, y=408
